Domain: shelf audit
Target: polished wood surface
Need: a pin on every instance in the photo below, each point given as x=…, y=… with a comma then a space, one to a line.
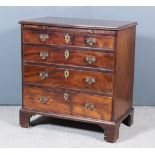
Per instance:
x=124, y=70
x=58, y=38
x=75, y=57
x=45, y=28
x=80, y=70
x=75, y=105
x=79, y=23
x=102, y=106
x=76, y=79
x=55, y=101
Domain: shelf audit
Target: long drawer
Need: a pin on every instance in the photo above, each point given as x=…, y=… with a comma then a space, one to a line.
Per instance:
x=69, y=78
x=69, y=39
x=70, y=57
x=62, y=102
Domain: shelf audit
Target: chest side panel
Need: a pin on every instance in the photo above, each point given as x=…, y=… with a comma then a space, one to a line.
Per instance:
x=124, y=71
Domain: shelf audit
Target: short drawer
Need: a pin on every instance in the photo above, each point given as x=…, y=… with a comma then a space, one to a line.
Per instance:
x=69, y=78
x=70, y=103
x=45, y=101
x=70, y=57
x=92, y=106
x=67, y=39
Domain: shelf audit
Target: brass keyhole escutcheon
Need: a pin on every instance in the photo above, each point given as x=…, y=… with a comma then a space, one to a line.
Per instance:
x=66, y=54
x=67, y=38
x=66, y=73
x=66, y=96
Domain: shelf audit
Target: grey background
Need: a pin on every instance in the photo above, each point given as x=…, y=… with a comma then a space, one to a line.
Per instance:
x=10, y=62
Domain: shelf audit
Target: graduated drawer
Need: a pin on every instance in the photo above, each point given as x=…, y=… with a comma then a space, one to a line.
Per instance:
x=62, y=102
x=91, y=106
x=69, y=78
x=45, y=101
x=68, y=39
x=64, y=56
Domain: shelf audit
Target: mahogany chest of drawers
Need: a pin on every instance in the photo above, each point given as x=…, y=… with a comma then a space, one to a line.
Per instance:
x=80, y=70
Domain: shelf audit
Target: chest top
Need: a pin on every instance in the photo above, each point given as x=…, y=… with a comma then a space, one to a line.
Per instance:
x=80, y=23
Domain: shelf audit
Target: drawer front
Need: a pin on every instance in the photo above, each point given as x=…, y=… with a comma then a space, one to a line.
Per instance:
x=69, y=78
x=77, y=104
x=91, y=106
x=68, y=30
x=69, y=57
x=62, y=38
x=45, y=101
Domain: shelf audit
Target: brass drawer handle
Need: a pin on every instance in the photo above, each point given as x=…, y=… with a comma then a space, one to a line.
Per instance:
x=43, y=75
x=66, y=54
x=43, y=55
x=89, y=106
x=90, y=80
x=67, y=38
x=44, y=37
x=90, y=59
x=66, y=96
x=91, y=41
x=43, y=99
x=66, y=73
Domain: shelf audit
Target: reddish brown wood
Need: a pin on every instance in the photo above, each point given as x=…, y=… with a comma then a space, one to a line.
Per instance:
x=111, y=132
x=70, y=30
x=102, y=106
x=76, y=57
x=58, y=38
x=76, y=79
x=79, y=23
x=104, y=42
x=75, y=105
x=25, y=118
x=124, y=70
x=55, y=101
x=108, y=101
x=129, y=119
